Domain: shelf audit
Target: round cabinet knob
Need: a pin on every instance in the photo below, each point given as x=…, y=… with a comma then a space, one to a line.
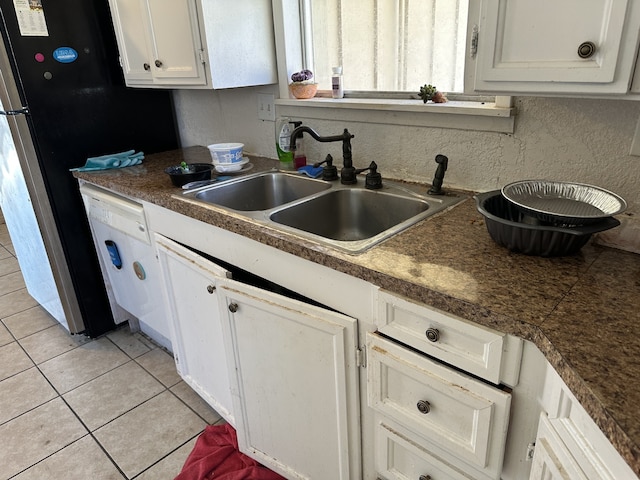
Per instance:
x=424, y=407
x=424, y=477
x=433, y=334
x=233, y=307
x=158, y=63
x=211, y=288
x=586, y=49
x=146, y=66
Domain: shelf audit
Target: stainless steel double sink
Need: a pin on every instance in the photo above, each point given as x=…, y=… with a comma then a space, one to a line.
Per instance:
x=347, y=217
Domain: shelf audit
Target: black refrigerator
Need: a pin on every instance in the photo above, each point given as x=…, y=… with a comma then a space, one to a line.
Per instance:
x=63, y=100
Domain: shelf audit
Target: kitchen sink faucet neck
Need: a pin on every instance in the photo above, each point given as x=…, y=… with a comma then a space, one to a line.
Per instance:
x=348, y=173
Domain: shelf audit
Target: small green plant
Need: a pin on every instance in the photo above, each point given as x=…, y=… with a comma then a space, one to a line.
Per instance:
x=430, y=92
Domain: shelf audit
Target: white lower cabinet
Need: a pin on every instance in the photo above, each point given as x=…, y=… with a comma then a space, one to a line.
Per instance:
x=296, y=384
x=569, y=444
x=191, y=284
x=552, y=460
x=283, y=372
x=447, y=413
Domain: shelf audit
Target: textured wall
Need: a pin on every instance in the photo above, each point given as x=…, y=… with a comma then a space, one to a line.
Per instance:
x=578, y=140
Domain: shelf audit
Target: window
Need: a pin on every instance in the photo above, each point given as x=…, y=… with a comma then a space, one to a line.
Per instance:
x=386, y=45
x=375, y=41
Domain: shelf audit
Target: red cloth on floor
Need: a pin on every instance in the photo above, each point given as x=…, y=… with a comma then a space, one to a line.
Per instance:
x=215, y=456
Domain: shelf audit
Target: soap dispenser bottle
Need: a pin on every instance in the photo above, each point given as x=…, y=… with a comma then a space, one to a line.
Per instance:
x=283, y=139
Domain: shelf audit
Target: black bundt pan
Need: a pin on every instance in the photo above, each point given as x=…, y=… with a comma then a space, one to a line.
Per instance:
x=510, y=227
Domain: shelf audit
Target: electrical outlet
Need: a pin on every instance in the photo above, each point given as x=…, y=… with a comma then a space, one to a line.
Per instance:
x=266, y=107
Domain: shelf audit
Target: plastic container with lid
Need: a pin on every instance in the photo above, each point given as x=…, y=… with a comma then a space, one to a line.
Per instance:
x=226, y=152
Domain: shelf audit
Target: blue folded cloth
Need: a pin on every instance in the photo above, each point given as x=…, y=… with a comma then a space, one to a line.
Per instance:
x=114, y=160
x=313, y=172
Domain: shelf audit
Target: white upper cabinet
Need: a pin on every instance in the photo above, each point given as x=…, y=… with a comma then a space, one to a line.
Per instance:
x=194, y=44
x=571, y=47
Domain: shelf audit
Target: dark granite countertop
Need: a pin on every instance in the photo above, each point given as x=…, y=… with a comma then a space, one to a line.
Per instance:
x=582, y=311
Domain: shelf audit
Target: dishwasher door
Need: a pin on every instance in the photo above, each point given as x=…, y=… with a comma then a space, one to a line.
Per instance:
x=127, y=257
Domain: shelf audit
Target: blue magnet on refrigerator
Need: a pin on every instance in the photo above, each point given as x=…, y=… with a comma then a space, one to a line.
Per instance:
x=65, y=55
x=112, y=248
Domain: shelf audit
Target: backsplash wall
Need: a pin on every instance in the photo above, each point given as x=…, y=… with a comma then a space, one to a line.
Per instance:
x=579, y=140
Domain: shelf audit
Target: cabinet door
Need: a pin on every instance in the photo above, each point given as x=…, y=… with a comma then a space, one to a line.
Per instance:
x=296, y=387
x=566, y=424
x=191, y=284
x=131, y=26
x=176, y=47
x=551, y=459
x=533, y=47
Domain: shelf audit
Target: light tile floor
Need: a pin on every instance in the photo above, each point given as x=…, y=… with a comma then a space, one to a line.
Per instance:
x=71, y=408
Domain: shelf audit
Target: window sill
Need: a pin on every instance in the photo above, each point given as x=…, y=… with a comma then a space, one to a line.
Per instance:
x=460, y=115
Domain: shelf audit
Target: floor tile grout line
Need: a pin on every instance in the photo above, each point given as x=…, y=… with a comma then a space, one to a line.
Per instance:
x=167, y=455
x=2, y=320
x=30, y=409
x=58, y=451
x=166, y=388
x=19, y=311
x=191, y=408
x=220, y=421
x=22, y=284
x=87, y=429
x=90, y=433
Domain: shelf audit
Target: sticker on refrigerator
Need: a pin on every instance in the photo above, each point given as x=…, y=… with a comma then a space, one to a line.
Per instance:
x=31, y=19
x=65, y=55
x=114, y=254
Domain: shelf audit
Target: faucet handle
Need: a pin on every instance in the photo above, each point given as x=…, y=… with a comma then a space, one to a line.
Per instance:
x=329, y=171
x=373, y=179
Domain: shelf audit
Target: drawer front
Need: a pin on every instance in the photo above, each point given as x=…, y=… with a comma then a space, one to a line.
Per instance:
x=452, y=412
x=460, y=343
x=399, y=458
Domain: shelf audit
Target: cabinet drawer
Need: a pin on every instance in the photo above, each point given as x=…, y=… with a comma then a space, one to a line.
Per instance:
x=468, y=346
x=455, y=414
x=399, y=458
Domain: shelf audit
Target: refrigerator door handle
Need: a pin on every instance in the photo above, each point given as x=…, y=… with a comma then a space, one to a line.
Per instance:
x=20, y=111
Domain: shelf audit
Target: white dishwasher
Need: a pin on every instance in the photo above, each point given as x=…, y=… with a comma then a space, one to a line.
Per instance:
x=128, y=261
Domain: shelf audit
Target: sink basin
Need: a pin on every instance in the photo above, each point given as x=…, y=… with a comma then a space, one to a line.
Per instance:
x=345, y=217
x=350, y=215
x=261, y=192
